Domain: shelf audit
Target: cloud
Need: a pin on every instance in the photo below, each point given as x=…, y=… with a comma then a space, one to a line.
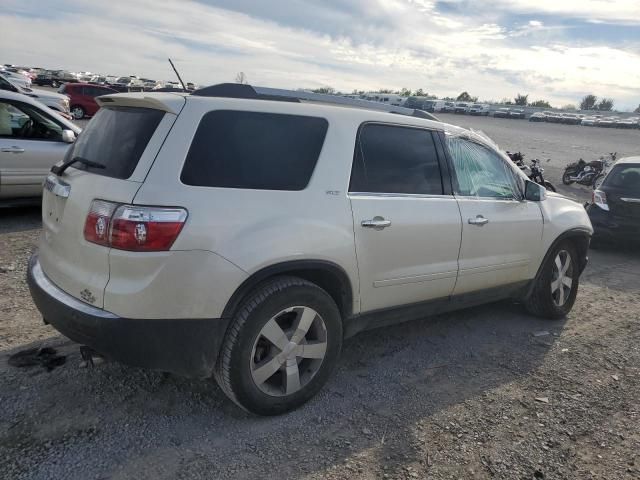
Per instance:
x=343, y=43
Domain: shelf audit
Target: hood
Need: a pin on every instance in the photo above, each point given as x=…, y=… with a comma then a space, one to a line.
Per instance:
x=38, y=93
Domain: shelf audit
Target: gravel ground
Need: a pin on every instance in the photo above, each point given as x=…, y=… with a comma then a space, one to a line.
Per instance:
x=488, y=392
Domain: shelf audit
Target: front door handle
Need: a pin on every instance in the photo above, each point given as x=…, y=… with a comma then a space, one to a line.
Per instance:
x=12, y=150
x=479, y=221
x=376, y=222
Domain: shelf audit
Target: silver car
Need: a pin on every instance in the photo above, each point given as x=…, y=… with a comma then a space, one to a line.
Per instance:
x=33, y=137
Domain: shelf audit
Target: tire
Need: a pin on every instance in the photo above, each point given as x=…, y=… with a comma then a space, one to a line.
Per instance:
x=548, y=186
x=566, y=178
x=597, y=180
x=77, y=112
x=254, y=372
x=55, y=84
x=544, y=301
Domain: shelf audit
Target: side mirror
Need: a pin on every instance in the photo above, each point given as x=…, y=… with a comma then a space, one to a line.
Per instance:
x=534, y=192
x=68, y=136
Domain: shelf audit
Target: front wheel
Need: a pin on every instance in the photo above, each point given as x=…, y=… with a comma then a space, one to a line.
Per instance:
x=548, y=186
x=78, y=112
x=281, y=346
x=566, y=178
x=55, y=84
x=556, y=285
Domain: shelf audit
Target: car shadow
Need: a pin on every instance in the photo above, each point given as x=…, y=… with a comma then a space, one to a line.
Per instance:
x=389, y=382
x=21, y=218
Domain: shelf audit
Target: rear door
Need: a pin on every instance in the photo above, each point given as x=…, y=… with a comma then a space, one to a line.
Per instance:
x=125, y=140
x=30, y=144
x=622, y=187
x=406, y=221
x=501, y=233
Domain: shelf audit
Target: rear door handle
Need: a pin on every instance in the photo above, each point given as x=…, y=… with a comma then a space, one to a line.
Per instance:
x=478, y=221
x=376, y=222
x=12, y=150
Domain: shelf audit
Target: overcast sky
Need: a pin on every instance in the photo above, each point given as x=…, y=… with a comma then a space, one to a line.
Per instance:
x=558, y=50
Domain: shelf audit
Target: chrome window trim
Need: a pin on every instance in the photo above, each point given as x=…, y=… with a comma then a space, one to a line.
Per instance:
x=397, y=195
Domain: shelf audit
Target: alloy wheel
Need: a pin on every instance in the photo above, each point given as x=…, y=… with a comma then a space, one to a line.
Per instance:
x=288, y=351
x=562, y=278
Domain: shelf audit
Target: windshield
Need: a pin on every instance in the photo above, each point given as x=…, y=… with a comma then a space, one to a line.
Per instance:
x=116, y=138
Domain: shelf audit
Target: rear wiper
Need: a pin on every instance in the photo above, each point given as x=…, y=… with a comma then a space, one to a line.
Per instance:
x=59, y=170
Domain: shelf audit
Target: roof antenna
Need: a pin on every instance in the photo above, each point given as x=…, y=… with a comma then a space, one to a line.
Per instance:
x=177, y=74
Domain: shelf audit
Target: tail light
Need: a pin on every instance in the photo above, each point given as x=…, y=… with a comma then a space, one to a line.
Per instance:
x=133, y=228
x=600, y=199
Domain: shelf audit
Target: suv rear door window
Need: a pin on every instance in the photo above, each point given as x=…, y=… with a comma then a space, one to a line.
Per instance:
x=254, y=150
x=395, y=159
x=116, y=137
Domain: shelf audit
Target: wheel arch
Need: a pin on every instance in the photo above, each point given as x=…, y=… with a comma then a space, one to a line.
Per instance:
x=327, y=275
x=580, y=237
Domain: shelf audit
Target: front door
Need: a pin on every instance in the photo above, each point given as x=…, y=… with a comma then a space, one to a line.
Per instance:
x=406, y=221
x=501, y=232
x=30, y=144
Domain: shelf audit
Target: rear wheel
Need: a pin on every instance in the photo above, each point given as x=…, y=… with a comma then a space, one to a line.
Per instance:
x=556, y=287
x=281, y=347
x=55, y=84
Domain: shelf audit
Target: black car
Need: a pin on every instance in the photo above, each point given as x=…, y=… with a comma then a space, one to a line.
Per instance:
x=615, y=206
x=54, y=78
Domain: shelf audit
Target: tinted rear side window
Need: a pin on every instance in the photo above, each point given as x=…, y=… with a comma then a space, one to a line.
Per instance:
x=393, y=159
x=116, y=138
x=252, y=150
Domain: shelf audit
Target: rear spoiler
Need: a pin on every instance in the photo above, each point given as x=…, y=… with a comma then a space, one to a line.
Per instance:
x=170, y=103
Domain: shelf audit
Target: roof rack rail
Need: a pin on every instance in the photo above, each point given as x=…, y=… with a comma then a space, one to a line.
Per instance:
x=237, y=90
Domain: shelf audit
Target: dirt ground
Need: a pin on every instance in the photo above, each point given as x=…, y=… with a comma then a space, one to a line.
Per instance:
x=488, y=392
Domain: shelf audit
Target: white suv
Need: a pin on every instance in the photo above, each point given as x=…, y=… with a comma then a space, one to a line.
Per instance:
x=241, y=233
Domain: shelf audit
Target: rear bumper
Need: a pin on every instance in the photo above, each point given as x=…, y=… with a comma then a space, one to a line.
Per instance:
x=187, y=347
x=612, y=228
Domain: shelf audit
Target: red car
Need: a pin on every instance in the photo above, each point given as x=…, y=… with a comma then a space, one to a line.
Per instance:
x=82, y=98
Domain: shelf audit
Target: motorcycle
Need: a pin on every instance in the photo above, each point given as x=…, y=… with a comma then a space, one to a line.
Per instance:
x=533, y=171
x=588, y=173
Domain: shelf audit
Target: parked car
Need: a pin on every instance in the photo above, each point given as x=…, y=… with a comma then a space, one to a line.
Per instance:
x=32, y=139
x=16, y=78
x=55, y=78
x=53, y=100
x=352, y=244
x=82, y=98
x=615, y=205
x=448, y=107
x=433, y=105
x=517, y=113
x=461, y=107
x=608, y=122
x=628, y=123
x=571, y=119
x=588, y=121
x=538, y=117
x=479, y=109
x=502, y=112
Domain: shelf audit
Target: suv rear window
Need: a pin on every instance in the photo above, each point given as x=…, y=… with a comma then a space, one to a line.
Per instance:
x=253, y=150
x=116, y=138
x=625, y=178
